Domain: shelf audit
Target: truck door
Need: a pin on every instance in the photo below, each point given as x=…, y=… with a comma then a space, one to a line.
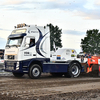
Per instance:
x=29, y=50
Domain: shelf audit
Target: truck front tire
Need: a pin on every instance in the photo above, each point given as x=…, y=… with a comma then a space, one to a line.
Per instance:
x=74, y=70
x=34, y=71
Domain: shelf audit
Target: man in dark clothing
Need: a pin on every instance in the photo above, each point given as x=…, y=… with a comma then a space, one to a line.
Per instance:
x=32, y=42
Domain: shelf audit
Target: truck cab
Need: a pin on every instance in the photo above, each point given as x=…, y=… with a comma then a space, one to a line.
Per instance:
x=25, y=45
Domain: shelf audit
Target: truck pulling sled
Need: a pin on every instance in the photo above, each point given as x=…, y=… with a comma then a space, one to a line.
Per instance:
x=93, y=64
x=28, y=52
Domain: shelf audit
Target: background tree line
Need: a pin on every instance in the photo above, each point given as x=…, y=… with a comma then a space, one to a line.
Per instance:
x=55, y=37
x=91, y=43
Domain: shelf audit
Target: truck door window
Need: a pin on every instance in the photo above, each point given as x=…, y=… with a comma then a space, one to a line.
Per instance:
x=32, y=42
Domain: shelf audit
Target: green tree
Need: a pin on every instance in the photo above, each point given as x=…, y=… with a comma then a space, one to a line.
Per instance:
x=91, y=43
x=55, y=36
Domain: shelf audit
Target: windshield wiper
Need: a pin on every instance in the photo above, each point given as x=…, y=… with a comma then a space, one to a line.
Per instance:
x=14, y=45
x=8, y=46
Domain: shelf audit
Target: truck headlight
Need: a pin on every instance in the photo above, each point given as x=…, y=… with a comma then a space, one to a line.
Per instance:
x=17, y=66
x=5, y=56
x=16, y=57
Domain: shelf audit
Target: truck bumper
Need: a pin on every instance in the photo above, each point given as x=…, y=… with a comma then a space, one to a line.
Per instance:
x=15, y=66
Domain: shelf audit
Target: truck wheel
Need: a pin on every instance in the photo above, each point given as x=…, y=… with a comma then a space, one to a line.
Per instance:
x=34, y=71
x=18, y=74
x=74, y=70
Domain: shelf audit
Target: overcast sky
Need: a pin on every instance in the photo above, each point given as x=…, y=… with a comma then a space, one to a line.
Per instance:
x=74, y=17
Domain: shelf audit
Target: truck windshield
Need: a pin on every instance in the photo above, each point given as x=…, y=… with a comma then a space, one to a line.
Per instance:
x=14, y=41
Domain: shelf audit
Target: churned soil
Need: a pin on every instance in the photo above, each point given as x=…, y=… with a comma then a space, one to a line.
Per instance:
x=47, y=87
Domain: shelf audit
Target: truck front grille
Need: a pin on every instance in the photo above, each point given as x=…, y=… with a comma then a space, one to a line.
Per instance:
x=10, y=57
x=10, y=65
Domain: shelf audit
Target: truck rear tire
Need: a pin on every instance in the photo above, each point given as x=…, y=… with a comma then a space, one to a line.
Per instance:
x=18, y=74
x=34, y=71
x=74, y=70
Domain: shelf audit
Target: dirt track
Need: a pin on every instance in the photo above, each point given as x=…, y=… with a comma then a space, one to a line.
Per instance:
x=49, y=88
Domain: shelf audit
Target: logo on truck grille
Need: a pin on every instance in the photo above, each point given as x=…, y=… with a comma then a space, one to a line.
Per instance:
x=11, y=57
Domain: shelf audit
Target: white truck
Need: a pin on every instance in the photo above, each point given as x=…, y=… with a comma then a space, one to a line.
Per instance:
x=28, y=52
